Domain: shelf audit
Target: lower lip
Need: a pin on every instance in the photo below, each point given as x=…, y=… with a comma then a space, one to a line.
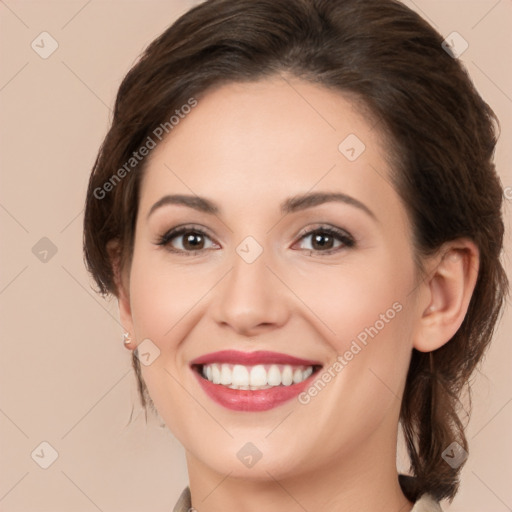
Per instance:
x=248, y=400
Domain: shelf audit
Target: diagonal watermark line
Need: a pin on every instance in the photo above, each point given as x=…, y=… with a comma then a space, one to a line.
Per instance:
x=103, y=396
x=424, y=14
x=14, y=218
x=486, y=14
x=307, y=192
x=86, y=85
x=92, y=296
x=4, y=4
x=14, y=423
x=286, y=491
x=199, y=403
x=76, y=14
x=88, y=497
x=427, y=277
x=72, y=220
x=215, y=488
x=424, y=278
x=492, y=81
x=14, y=76
x=301, y=300
x=280, y=423
x=382, y=176
x=508, y=508
x=499, y=411
x=398, y=398
x=379, y=120
x=287, y=81
x=13, y=279
x=198, y=301
x=14, y=485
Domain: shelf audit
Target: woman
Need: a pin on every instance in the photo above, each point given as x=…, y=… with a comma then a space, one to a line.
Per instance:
x=297, y=210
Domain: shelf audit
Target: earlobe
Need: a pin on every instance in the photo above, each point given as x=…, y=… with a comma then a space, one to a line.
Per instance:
x=125, y=314
x=449, y=289
x=123, y=295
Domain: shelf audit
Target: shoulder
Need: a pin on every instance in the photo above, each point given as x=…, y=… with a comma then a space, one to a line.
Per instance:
x=426, y=503
x=184, y=503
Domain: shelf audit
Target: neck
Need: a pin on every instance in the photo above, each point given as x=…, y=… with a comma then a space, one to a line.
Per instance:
x=363, y=480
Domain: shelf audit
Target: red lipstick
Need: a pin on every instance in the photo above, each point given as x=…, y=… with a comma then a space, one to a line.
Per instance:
x=247, y=399
x=252, y=358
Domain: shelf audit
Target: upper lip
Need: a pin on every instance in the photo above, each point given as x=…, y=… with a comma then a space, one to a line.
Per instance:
x=252, y=358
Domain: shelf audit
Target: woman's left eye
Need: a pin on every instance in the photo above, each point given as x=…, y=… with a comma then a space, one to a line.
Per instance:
x=189, y=240
x=323, y=240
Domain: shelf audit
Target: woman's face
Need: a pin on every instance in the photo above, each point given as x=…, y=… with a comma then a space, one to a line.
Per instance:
x=259, y=267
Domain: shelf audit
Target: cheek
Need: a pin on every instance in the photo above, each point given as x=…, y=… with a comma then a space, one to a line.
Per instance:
x=162, y=297
x=357, y=299
x=153, y=299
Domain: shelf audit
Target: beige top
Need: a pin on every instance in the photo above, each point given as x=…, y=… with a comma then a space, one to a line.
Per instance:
x=425, y=504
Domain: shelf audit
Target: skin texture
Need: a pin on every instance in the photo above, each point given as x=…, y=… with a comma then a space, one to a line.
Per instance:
x=248, y=147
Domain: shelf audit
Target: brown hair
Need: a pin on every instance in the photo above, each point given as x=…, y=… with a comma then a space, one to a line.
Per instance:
x=443, y=139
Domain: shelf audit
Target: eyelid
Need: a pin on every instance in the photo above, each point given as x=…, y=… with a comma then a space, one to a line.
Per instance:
x=326, y=228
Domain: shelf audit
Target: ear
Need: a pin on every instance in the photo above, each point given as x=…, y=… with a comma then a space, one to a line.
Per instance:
x=121, y=278
x=447, y=291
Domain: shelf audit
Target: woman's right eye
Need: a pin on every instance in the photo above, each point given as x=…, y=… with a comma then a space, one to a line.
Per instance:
x=185, y=240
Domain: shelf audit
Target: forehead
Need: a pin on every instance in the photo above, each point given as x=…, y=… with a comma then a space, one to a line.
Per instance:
x=273, y=138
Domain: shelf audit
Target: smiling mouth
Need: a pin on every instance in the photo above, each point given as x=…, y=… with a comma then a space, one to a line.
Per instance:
x=255, y=377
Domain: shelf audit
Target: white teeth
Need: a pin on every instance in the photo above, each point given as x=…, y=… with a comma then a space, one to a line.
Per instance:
x=215, y=374
x=306, y=373
x=274, y=376
x=287, y=375
x=225, y=375
x=260, y=376
x=239, y=376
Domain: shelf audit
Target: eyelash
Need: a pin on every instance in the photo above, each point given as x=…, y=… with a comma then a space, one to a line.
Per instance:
x=344, y=237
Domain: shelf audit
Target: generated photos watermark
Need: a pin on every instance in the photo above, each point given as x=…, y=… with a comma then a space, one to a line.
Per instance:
x=356, y=346
x=158, y=133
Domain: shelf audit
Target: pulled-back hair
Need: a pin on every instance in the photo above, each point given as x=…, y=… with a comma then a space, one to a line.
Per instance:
x=442, y=137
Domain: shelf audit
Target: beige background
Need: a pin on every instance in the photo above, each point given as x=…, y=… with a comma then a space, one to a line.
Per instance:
x=65, y=377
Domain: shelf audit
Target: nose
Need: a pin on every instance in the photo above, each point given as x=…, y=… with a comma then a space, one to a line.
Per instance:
x=251, y=299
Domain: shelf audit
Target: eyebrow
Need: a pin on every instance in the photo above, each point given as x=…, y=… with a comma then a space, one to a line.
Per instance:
x=290, y=205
